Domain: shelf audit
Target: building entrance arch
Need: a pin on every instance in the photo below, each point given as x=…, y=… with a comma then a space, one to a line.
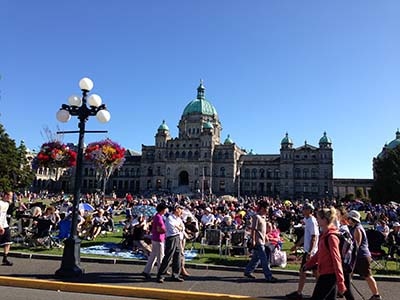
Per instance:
x=183, y=178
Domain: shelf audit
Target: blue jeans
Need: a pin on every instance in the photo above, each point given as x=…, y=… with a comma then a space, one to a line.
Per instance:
x=260, y=254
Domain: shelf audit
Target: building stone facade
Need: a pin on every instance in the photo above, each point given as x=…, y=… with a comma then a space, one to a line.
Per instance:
x=198, y=161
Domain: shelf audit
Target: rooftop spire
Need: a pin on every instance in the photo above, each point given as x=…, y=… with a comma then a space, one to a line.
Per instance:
x=200, y=90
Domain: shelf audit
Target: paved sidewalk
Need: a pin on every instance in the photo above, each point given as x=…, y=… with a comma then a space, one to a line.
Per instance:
x=122, y=279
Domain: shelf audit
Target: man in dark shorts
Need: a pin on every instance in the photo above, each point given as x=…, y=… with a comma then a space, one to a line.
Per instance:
x=5, y=234
x=310, y=245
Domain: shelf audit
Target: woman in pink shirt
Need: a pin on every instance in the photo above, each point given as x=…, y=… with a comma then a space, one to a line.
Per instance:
x=158, y=230
x=328, y=260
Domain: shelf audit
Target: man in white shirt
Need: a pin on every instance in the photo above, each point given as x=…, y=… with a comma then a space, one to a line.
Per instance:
x=173, y=246
x=5, y=235
x=208, y=219
x=310, y=245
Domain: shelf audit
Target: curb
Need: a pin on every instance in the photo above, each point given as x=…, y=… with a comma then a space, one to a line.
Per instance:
x=102, y=289
x=385, y=278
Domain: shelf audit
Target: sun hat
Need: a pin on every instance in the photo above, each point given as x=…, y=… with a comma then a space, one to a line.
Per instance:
x=354, y=215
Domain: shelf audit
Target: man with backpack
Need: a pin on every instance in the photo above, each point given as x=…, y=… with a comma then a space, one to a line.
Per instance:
x=348, y=250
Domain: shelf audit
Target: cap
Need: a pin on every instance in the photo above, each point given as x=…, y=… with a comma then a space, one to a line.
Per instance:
x=208, y=209
x=308, y=206
x=178, y=206
x=354, y=215
x=396, y=224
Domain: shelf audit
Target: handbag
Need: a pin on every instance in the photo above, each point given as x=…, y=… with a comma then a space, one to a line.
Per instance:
x=278, y=258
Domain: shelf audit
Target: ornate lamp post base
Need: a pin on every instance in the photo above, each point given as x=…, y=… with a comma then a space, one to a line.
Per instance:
x=70, y=265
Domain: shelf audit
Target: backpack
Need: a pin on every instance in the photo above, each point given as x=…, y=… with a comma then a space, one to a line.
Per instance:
x=347, y=248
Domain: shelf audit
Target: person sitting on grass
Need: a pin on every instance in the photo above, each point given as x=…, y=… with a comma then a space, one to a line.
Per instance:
x=98, y=224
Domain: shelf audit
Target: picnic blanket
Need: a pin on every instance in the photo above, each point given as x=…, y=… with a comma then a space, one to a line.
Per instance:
x=115, y=250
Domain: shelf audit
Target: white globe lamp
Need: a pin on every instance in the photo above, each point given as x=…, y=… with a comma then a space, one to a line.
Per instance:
x=103, y=116
x=86, y=84
x=63, y=116
x=94, y=100
x=75, y=100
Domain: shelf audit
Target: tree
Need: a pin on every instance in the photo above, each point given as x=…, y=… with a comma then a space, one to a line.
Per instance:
x=15, y=171
x=386, y=185
x=360, y=193
x=25, y=175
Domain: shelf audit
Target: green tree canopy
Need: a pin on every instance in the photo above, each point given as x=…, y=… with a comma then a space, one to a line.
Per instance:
x=386, y=186
x=15, y=170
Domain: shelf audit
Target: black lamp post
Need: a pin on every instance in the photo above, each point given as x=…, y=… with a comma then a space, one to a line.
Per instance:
x=70, y=265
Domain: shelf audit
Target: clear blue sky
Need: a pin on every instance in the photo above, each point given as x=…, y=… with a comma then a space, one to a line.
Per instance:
x=268, y=67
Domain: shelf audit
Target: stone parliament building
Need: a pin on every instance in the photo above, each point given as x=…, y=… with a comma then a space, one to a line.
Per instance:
x=197, y=161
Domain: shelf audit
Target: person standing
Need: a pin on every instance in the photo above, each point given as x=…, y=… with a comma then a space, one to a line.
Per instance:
x=327, y=259
x=363, y=262
x=5, y=234
x=158, y=230
x=173, y=246
x=310, y=245
x=261, y=254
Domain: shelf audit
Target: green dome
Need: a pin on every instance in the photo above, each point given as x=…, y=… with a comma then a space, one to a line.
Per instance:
x=325, y=139
x=163, y=126
x=200, y=105
x=251, y=152
x=228, y=140
x=208, y=125
x=395, y=143
x=286, y=139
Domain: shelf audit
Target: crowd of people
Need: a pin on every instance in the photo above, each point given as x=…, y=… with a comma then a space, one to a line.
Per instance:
x=161, y=237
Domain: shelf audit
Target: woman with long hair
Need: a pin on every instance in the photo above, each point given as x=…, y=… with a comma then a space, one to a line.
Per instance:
x=327, y=258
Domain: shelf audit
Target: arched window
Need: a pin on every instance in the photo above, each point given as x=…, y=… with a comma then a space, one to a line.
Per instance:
x=254, y=173
x=262, y=173
x=247, y=173
x=269, y=175
x=196, y=154
x=127, y=172
x=305, y=173
x=168, y=171
x=132, y=172
x=226, y=155
x=171, y=154
x=177, y=154
x=183, y=155
x=219, y=155
x=277, y=173
x=150, y=171
x=222, y=172
x=190, y=154
x=297, y=173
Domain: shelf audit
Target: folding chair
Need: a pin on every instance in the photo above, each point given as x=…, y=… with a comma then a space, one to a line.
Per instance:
x=212, y=237
x=237, y=240
x=375, y=241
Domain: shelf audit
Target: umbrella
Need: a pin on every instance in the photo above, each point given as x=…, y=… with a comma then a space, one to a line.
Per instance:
x=146, y=210
x=86, y=206
x=228, y=198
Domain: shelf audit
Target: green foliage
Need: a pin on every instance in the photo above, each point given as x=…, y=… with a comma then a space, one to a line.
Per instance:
x=15, y=171
x=386, y=186
x=349, y=197
x=360, y=193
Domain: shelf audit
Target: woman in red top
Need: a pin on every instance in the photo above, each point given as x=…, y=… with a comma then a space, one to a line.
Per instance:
x=328, y=260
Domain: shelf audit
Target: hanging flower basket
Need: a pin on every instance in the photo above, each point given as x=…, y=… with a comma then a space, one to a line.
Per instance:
x=106, y=155
x=56, y=155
